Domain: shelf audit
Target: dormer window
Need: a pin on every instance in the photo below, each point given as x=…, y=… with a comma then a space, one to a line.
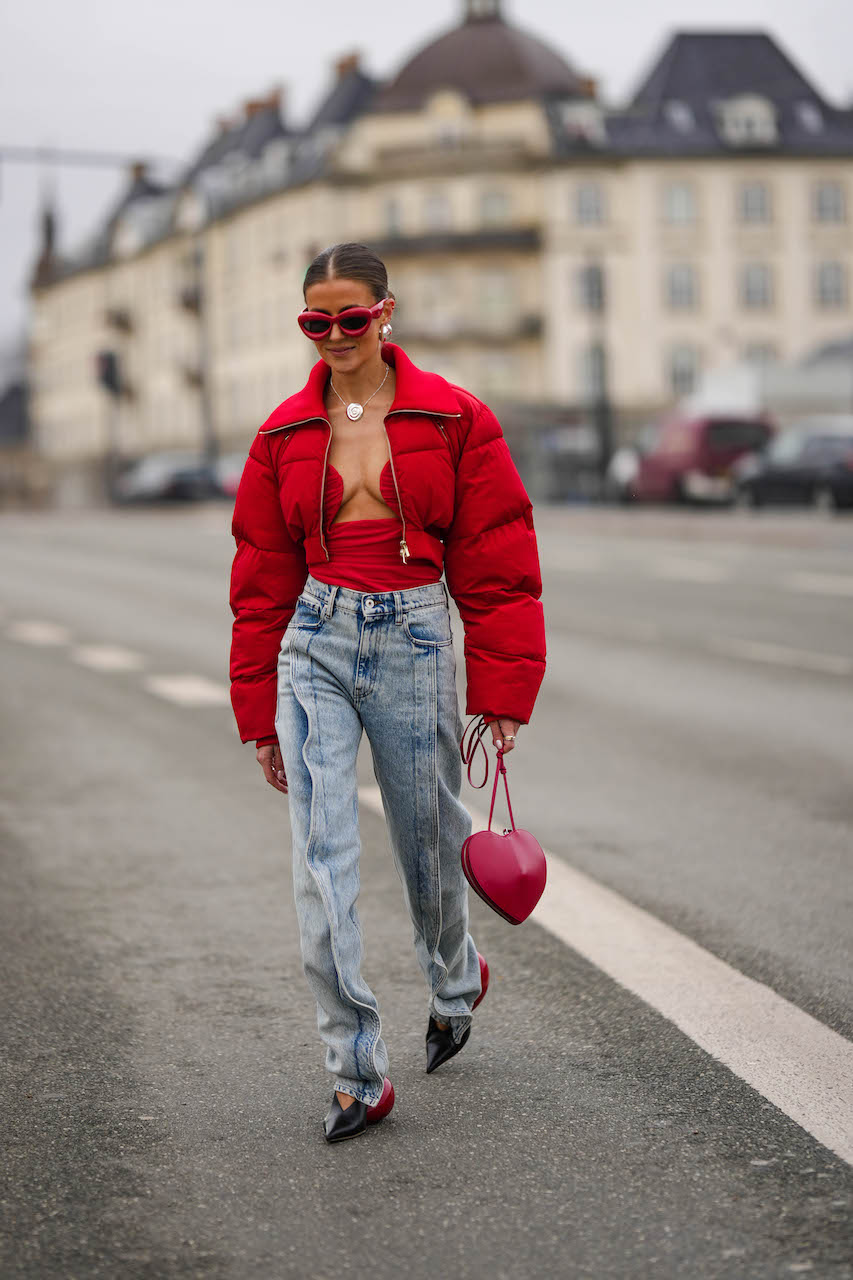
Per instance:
x=747, y=121
x=809, y=116
x=679, y=115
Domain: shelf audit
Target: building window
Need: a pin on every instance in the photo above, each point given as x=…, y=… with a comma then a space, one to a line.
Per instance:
x=682, y=287
x=683, y=369
x=499, y=373
x=590, y=206
x=590, y=287
x=756, y=286
x=494, y=207
x=830, y=285
x=747, y=120
x=679, y=204
x=829, y=204
x=592, y=372
x=437, y=211
x=761, y=353
x=754, y=203
x=496, y=297
x=391, y=216
x=809, y=116
x=680, y=115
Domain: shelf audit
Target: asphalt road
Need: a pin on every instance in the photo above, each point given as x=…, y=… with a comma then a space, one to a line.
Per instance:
x=162, y=1086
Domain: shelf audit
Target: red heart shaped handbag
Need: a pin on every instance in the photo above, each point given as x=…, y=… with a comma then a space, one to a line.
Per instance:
x=507, y=870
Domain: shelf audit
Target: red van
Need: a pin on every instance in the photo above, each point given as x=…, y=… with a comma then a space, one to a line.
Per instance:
x=693, y=458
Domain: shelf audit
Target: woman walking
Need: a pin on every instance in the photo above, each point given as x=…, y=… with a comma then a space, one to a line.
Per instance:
x=356, y=493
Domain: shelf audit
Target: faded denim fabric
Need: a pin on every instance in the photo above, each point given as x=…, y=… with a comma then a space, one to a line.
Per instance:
x=384, y=662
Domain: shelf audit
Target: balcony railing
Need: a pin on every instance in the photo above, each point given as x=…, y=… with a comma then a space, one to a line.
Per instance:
x=524, y=239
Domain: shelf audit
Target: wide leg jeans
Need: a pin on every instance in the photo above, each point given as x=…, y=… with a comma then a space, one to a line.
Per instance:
x=382, y=662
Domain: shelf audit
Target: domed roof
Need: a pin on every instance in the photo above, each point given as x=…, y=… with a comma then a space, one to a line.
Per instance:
x=487, y=60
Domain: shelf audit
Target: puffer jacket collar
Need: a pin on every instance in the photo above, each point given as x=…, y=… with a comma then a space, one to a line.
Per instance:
x=417, y=392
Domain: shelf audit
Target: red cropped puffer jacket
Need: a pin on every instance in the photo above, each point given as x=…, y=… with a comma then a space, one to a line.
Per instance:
x=462, y=505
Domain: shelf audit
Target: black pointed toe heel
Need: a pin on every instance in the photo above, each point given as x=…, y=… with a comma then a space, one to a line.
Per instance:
x=349, y=1123
x=439, y=1044
x=439, y=1040
x=340, y=1123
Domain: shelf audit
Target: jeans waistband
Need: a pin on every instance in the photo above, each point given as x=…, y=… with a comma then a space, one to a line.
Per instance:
x=329, y=597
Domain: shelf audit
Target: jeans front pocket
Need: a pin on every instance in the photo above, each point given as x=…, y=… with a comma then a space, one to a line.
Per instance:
x=428, y=625
x=307, y=616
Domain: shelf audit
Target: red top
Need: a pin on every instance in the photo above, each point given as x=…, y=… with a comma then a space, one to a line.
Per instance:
x=365, y=555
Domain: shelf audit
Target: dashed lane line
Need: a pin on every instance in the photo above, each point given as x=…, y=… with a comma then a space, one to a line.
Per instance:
x=188, y=690
x=34, y=631
x=824, y=584
x=795, y=1062
x=107, y=657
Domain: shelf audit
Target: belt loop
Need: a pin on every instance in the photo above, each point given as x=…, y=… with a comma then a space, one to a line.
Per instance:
x=330, y=601
x=398, y=608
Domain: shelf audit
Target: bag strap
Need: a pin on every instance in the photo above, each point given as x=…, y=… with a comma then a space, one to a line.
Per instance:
x=501, y=770
x=468, y=753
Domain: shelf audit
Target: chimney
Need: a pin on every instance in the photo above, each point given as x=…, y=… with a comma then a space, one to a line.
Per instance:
x=272, y=102
x=346, y=65
x=47, y=258
x=138, y=171
x=588, y=86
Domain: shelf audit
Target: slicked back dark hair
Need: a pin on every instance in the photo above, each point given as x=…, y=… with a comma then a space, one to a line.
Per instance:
x=350, y=261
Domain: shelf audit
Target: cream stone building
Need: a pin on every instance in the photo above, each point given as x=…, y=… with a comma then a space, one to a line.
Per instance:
x=544, y=248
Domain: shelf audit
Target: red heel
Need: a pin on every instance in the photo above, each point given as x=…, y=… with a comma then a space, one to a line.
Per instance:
x=484, y=979
x=383, y=1106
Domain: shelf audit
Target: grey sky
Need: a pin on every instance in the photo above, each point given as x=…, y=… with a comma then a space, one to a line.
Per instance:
x=150, y=79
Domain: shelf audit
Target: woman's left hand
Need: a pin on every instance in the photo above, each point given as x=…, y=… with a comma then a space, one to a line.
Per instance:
x=500, y=729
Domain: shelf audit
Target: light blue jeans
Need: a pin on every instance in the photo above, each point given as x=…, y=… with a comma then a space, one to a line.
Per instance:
x=382, y=661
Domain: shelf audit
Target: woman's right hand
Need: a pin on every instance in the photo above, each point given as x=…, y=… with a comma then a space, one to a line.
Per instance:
x=269, y=758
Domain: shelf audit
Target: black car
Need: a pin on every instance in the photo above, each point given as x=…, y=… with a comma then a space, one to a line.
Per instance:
x=802, y=466
x=172, y=475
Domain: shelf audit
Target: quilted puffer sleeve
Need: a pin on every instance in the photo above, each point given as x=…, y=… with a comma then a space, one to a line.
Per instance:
x=492, y=570
x=267, y=574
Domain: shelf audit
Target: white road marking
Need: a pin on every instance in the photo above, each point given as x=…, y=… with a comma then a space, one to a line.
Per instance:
x=791, y=1059
x=188, y=690
x=107, y=657
x=825, y=584
x=833, y=664
x=681, y=569
x=33, y=631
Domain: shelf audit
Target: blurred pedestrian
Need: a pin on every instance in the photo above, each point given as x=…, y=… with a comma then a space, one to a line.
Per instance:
x=357, y=492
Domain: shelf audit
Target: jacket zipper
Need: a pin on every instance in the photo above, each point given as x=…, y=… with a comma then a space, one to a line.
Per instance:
x=404, y=550
x=323, y=492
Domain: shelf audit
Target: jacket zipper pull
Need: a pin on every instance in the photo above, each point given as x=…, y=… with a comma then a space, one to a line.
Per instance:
x=404, y=550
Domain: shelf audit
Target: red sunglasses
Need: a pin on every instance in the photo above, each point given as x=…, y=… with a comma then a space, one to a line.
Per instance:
x=353, y=321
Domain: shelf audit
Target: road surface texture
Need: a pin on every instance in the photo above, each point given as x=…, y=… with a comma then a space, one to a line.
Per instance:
x=658, y=1083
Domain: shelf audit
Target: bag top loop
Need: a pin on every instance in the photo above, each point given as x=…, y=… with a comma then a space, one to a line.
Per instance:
x=468, y=753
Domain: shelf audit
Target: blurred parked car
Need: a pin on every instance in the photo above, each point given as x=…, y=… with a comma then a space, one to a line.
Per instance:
x=803, y=465
x=167, y=476
x=694, y=458
x=228, y=469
